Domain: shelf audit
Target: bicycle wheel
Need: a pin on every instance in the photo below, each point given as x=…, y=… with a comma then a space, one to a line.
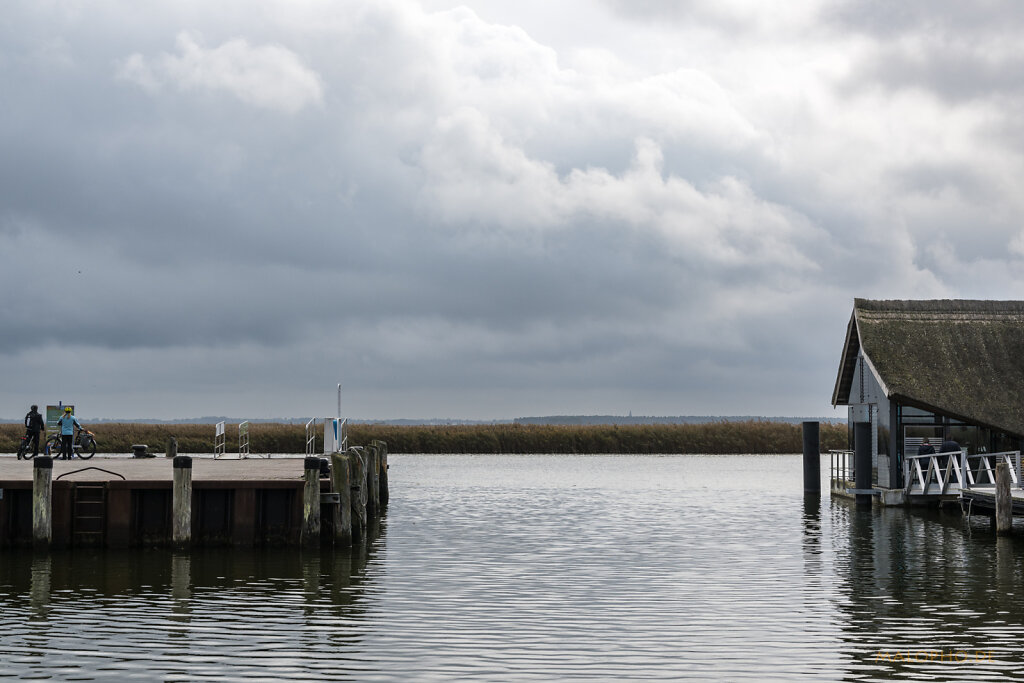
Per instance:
x=53, y=446
x=23, y=449
x=88, y=448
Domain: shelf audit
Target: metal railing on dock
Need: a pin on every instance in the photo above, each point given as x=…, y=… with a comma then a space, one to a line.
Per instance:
x=243, y=439
x=841, y=465
x=949, y=473
x=219, y=440
x=310, y=437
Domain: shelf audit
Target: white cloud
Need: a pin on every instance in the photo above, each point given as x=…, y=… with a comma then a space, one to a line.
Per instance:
x=266, y=76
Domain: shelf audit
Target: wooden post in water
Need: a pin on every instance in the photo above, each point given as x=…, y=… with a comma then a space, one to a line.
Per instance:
x=172, y=448
x=372, y=492
x=341, y=484
x=1004, y=503
x=311, y=502
x=382, y=449
x=812, y=458
x=181, y=501
x=42, y=494
x=357, y=464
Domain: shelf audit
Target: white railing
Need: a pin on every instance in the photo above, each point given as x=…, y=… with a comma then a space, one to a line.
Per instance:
x=311, y=437
x=841, y=466
x=949, y=473
x=243, y=439
x=983, y=472
x=219, y=440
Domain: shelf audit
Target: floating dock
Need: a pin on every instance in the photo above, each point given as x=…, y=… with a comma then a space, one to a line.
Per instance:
x=117, y=502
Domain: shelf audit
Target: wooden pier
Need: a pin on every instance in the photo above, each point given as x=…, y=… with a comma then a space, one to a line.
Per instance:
x=118, y=502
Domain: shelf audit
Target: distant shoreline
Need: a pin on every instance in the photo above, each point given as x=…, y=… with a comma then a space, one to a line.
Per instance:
x=565, y=420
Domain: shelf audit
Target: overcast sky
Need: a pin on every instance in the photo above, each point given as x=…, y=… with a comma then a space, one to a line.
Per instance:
x=489, y=209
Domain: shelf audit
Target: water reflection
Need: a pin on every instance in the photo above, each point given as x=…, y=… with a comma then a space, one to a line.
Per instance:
x=270, y=613
x=541, y=568
x=922, y=594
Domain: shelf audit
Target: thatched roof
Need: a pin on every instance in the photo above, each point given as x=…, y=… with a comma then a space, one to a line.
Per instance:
x=961, y=358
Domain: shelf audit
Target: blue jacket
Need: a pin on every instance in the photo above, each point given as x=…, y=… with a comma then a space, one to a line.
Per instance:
x=67, y=424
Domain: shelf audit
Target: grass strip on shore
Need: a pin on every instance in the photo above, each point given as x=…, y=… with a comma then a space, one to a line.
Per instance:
x=754, y=436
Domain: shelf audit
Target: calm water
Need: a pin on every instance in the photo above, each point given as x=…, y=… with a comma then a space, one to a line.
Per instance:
x=548, y=567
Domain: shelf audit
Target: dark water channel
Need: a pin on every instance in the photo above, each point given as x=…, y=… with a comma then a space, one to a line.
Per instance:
x=548, y=567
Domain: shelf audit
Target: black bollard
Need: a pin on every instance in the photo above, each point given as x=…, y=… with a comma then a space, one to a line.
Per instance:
x=812, y=458
x=862, y=460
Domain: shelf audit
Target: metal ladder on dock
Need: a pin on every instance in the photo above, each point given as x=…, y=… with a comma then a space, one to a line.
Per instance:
x=89, y=514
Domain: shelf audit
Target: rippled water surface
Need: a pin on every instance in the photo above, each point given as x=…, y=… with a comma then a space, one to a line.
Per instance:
x=548, y=567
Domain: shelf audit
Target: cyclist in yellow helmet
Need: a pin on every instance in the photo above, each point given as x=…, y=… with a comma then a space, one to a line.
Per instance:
x=67, y=423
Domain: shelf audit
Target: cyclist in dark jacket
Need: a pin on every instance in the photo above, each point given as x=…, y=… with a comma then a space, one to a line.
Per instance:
x=33, y=427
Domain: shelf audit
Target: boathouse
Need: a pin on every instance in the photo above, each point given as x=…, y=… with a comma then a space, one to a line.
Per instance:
x=939, y=369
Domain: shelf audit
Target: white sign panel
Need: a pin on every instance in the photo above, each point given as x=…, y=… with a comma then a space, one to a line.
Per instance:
x=332, y=435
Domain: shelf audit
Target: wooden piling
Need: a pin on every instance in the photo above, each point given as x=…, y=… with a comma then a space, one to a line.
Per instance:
x=181, y=501
x=383, y=473
x=42, y=494
x=172, y=448
x=311, y=502
x=1004, y=503
x=372, y=475
x=341, y=484
x=357, y=477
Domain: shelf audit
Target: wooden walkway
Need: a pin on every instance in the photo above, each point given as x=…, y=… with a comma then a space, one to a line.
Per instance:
x=120, y=501
x=983, y=501
x=125, y=468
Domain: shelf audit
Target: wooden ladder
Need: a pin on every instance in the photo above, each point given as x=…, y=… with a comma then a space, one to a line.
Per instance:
x=90, y=514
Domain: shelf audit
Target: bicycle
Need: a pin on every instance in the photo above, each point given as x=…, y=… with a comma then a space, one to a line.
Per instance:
x=25, y=446
x=83, y=445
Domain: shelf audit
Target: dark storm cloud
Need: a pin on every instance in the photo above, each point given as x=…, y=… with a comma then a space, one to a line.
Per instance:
x=957, y=51
x=889, y=19
x=237, y=203
x=956, y=71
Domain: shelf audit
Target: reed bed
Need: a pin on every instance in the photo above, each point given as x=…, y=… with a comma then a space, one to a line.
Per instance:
x=712, y=437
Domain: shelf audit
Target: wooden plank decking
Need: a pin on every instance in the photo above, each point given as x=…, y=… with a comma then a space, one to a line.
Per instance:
x=983, y=501
x=15, y=472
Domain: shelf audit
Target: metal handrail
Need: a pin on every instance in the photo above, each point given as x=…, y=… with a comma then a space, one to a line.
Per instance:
x=243, y=439
x=310, y=436
x=219, y=440
x=841, y=464
x=952, y=471
x=116, y=474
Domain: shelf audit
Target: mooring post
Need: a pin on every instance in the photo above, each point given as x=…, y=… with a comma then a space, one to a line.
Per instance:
x=862, y=461
x=42, y=495
x=311, y=502
x=341, y=484
x=181, y=501
x=812, y=458
x=1004, y=503
x=372, y=492
x=382, y=477
x=172, y=448
x=357, y=479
